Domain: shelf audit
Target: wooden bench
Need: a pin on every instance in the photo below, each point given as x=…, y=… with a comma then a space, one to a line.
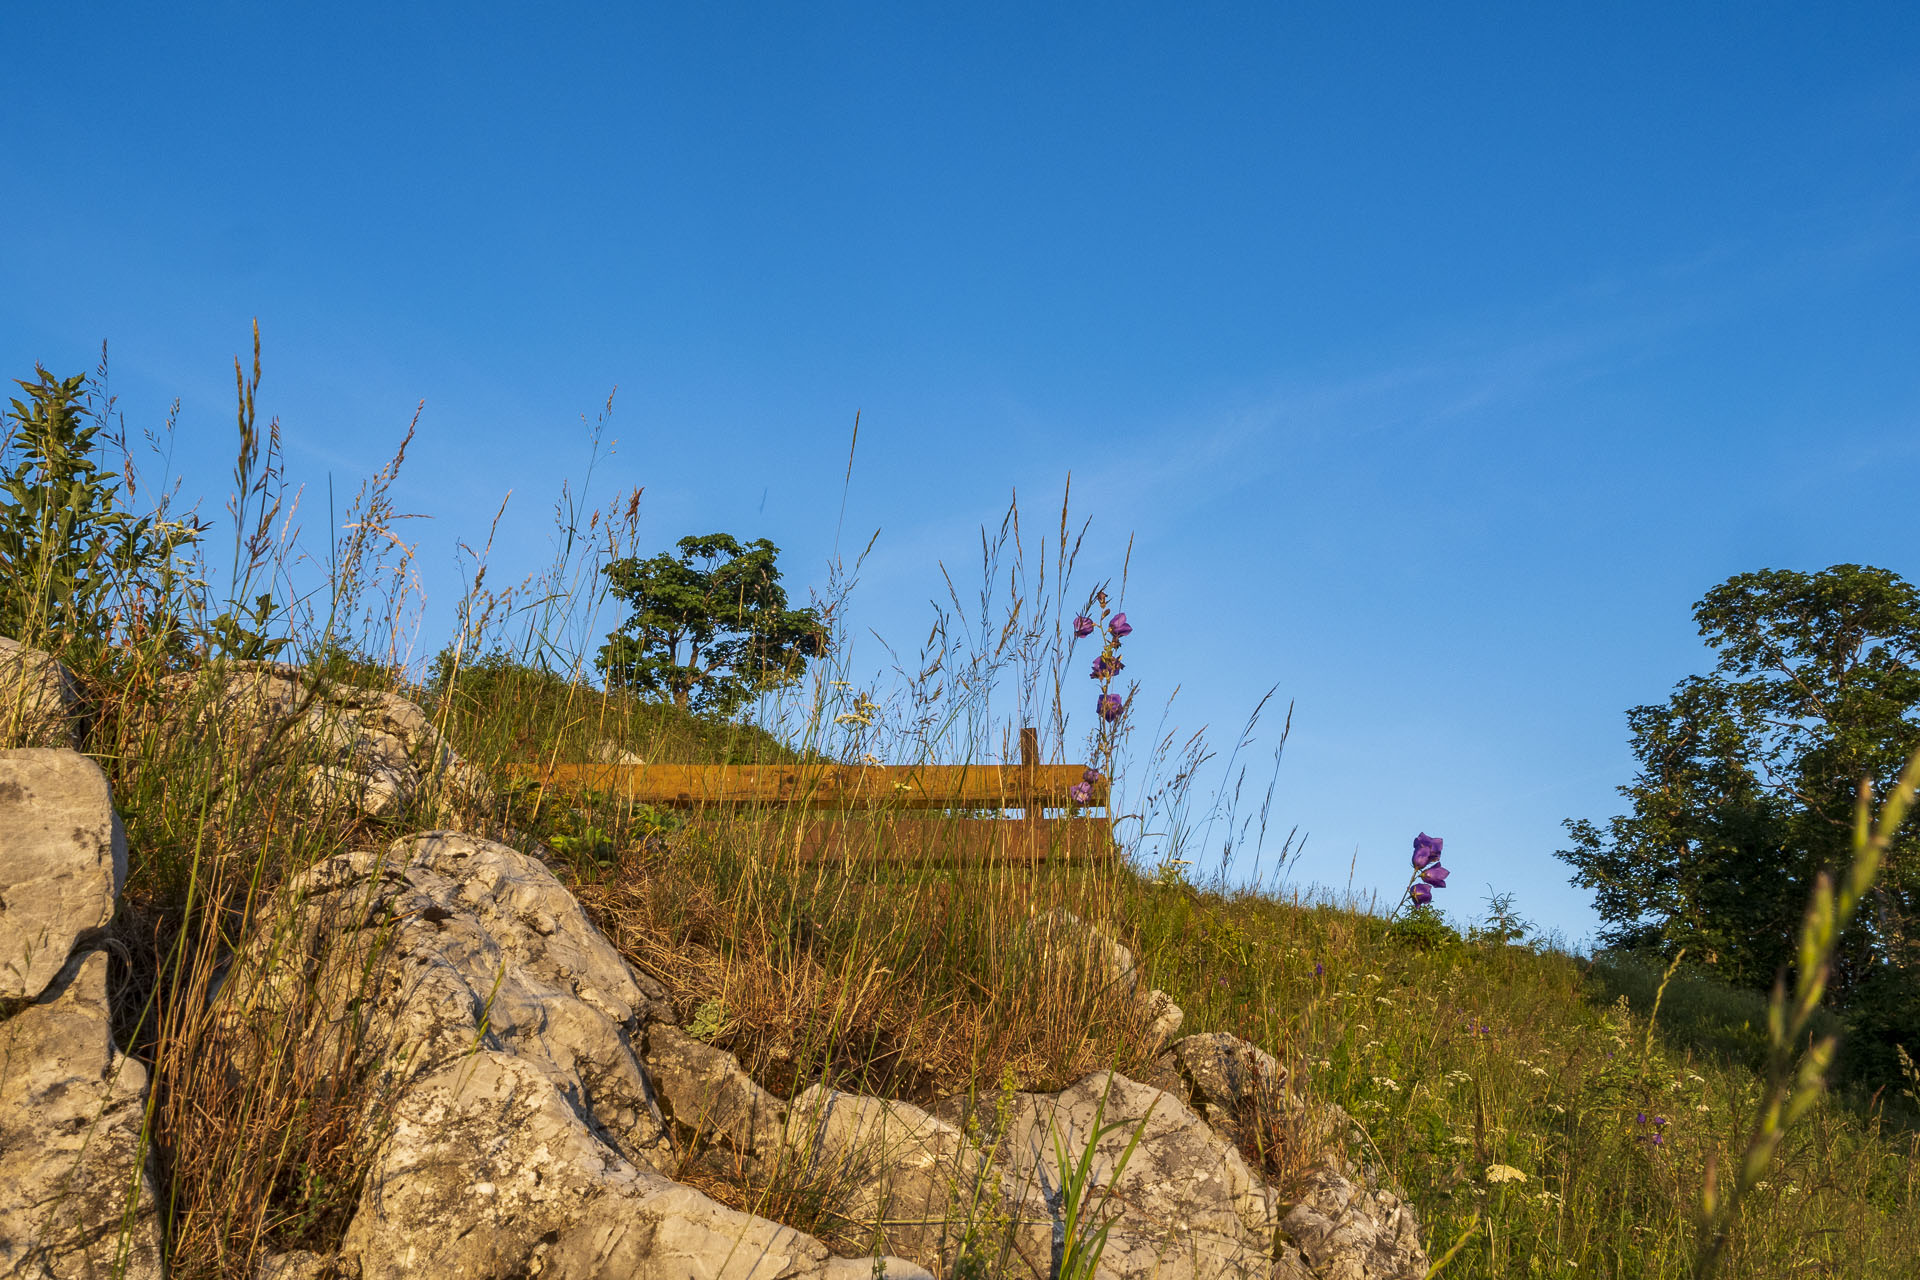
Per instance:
x=877, y=812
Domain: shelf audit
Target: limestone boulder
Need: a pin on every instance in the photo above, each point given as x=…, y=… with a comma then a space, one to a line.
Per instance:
x=920, y=1184
x=418, y=955
x=711, y=1101
x=607, y=751
x=1182, y=1203
x=488, y=1172
x=1065, y=941
x=366, y=752
x=65, y=858
x=1354, y=1230
x=37, y=698
x=1236, y=1087
x=77, y=1197
x=517, y=1131
x=1344, y=1224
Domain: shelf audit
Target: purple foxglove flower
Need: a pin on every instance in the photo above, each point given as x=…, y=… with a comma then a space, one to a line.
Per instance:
x=1081, y=792
x=1436, y=875
x=1082, y=627
x=1107, y=666
x=1420, y=894
x=1110, y=705
x=1120, y=627
x=1091, y=776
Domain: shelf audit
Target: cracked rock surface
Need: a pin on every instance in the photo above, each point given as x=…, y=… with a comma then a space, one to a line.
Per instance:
x=63, y=858
x=76, y=1192
x=518, y=1132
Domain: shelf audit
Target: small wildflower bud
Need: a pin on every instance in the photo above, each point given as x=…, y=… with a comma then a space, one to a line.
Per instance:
x=1120, y=627
x=1107, y=666
x=1082, y=627
x=1110, y=705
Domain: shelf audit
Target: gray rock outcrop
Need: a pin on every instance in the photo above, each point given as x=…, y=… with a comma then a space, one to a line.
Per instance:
x=711, y=1101
x=920, y=1184
x=36, y=698
x=1354, y=1230
x=364, y=751
x=519, y=1133
x=1065, y=940
x=76, y=1194
x=65, y=858
x=1343, y=1223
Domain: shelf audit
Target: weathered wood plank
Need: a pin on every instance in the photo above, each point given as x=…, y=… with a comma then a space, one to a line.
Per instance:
x=893, y=840
x=824, y=786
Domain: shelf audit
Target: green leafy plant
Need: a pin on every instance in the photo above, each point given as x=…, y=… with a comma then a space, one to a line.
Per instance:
x=1083, y=1227
x=69, y=552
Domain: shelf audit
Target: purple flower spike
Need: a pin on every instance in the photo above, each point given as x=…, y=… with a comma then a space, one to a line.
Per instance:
x=1110, y=706
x=1436, y=875
x=1420, y=894
x=1107, y=666
x=1081, y=792
x=1082, y=627
x=1120, y=627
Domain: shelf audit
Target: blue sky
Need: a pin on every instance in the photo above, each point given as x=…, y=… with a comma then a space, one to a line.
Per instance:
x=1436, y=358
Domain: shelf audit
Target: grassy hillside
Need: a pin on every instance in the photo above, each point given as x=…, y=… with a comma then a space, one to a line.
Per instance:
x=1530, y=1103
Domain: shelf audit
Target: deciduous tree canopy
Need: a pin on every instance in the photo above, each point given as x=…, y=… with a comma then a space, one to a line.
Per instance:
x=710, y=628
x=1746, y=786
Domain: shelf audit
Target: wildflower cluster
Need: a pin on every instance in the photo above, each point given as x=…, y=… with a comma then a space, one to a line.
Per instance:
x=1428, y=874
x=1109, y=706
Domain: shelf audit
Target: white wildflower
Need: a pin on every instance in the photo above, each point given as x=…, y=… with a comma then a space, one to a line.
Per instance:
x=1504, y=1173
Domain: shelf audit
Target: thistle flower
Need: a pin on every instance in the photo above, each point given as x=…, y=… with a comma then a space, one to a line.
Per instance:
x=1082, y=627
x=1420, y=894
x=1110, y=705
x=1120, y=627
x=1435, y=875
x=1081, y=792
x=1107, y=666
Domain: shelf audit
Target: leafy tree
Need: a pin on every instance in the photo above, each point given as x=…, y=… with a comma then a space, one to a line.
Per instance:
x=710, y=628
x=1746, y=785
